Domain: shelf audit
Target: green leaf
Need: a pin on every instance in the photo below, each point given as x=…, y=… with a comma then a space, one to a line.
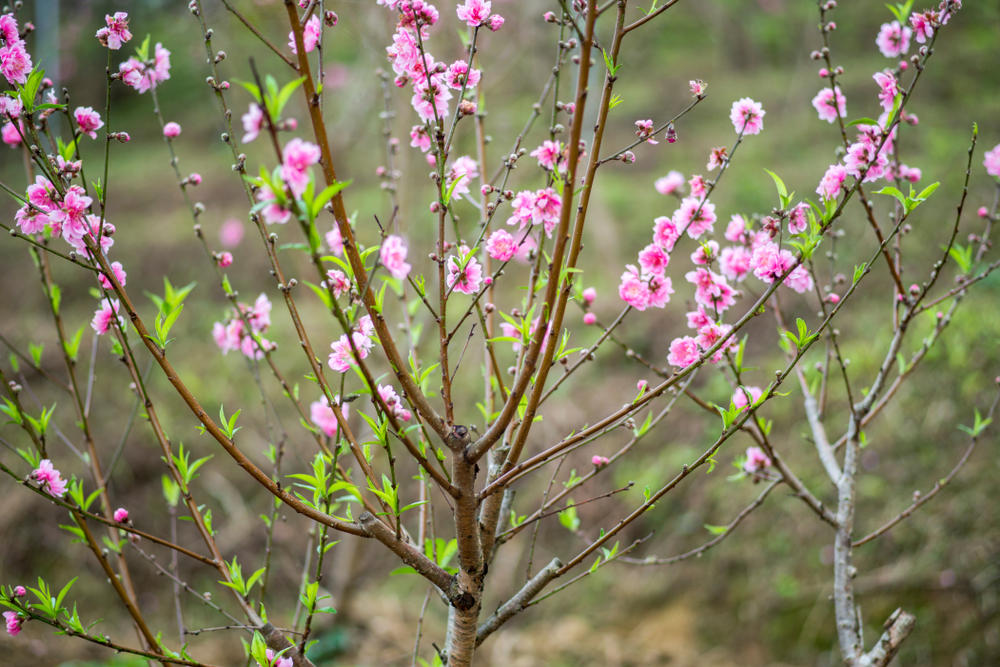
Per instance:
x=716, y=530
x=569, y=517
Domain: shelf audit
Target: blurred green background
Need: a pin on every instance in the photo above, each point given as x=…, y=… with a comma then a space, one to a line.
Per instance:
x=761, y=597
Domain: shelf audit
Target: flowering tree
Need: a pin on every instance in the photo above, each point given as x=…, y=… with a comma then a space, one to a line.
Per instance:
x=420, y=420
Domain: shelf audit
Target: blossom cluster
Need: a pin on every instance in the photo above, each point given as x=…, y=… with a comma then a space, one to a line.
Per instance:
x=234, y=334
x=342, y=356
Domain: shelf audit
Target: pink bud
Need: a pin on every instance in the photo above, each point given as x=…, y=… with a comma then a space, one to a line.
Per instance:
x=833, y=298
x=19, y=591
x=488, y=280
x=171, y=130
x=121, y=515
x=983, y=212
x=590, y=318
x=431, y=159
x=495, y=22
x=194, y=179
x=599, y=461
x=589, y=295
x=570, y=108
x=823, y=73
x=641, y=384
x=231, y=232
x=549, y=17
x=225, y=258
x=903, y=65
x=914, y=289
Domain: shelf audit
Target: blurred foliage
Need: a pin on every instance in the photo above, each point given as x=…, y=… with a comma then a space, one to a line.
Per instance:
x=761, y=597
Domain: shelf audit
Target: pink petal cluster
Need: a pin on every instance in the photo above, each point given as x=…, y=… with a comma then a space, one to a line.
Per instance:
x=833, y=180
x=923, y=24
x=171, y=130
x=121, y=515
x=747, y=116
x=501, y=245
x=711, y=289
x=798, y=219
x=477, y=12
x=465, y=273
x=393, y=257
x=116, y=32
x=253, y=122
x=338, y=281
x=391, y=399
x=644, y=130
x=275, y=661
x=120, y=275
x=549, y=155
x=717, y=158
x=49, y=479
x=888, y=89
x=335, y=241
x=310, y=35
x=232, y=333
x=669, y=184
x=14, y=622
x=15, y=61
x=342, y=356
x=88, y=120
x=824, y=104
x=696, y=216
x=642, y=289
x=462, y=172
x=744, y=396
x=991, y=160
x=141, y=76
x=105, y=315
x=297, y=157
x=540, y=207
x=322, y=415
x=756, y=460
x=277, y=211
x=893, y=39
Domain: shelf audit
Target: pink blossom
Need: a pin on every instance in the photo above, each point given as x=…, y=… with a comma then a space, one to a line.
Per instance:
x=116, y=268
x=20, y=591
x=121, y=515
x=736, y=230
x=893, y=39
x=669, y=184
x=474, y=12
x=462, y=171
x=393, y=257
x=823, y=103
x=888, y=89
x=683, y=352
x=711, y=289
x=231, y=233
x=770, y=262
x=644, y=130
x=695, y=215
x=342, y=356
x=911, y=174
x=8, y=29
x=459, y=75
x=465, y=273
x=799, y=280
x=72, y=213
x=991, y=160
x=496, y=22
x=419, y=138
x=653, y=259
x=712, y=333
x=88, y=120
x=740, y=396
x=589, y=295
x=665, y=233
x=633, y=290
x=540, y=207
x=275, y=212
x=116, y=32
x=253, y=122
x=430, y=99
x=50, y=480
x=833, y=298
x=660, y=289
x=391, y=399
x=501, y=245
x=323, y=416
x=747, y=116
x=756, y=460
x=225, y=259
x=335, y=241
x=589, y=318
x=282, y=661
x=15, y=63
x=599, y=461
x=310, y=35
x=31, y=220
x=259, y=315
x=296, y=159
x=698, y=319
x=923, y=25
x=861, y=158
x=798, y=221
x=10, y=107
x=547, y=154
x=14, y=622
x=716, y=158
x=697, y=87
x=832, y=181
x=697, y=185
x=171, y=130
x=11, y=134
x=706, y=253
